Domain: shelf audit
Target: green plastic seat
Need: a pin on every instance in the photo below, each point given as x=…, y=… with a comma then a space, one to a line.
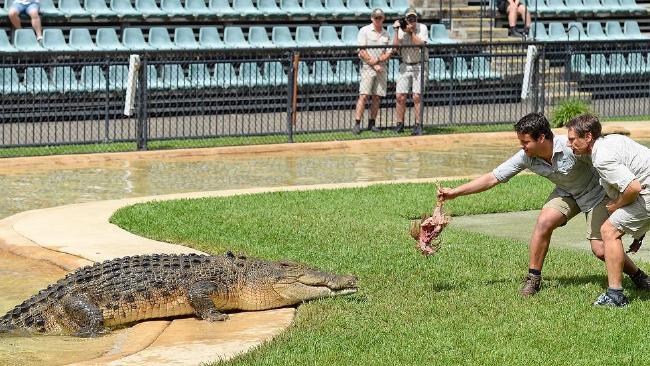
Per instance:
x=349, y=35
x=92, y=79
x=173, y=77
x=579, y=65
x=328, y=37
x=595, y=31
x=437, y=69
x=106, y=39
x=576, y=32
x=250, y=75
x=274, y=74
x=72, y=9
x=200, y=77
x=554, y=7
x=383, y=5
x=10, y=83
x=269, y=8
x=184, y=39
x=556, y=32
x=118, y=77
x=65, y=80
x=460, y=69
x=337, y=8
x=133, y=39
x=346, y=72
x=399, y=6
x=292, y=8
x=358, y=7
x=539, y=32
x=153, y=81
x=633, y=8
x=618, y=65
x=315, y=8
x=323, y=73
x=576, y=7
x=258, y=38
x=595, y=7
x=233, y=37
x=98, y=9
x=37, y=81
x=123, y=8
x=614, y=31
x=225, y=75
x=482, y=69
x=5, y=45
x=281, y=37
x=304, y=75
x=159, y=39
x=614, y=7
x=598, y=65
x=46, y=9
x=636, y=64
x=222, y=8
x=305, y=37
x=25, y=41
x=245, y=8
x=631, y=30
x=149, y=9
x=209, y=38
x=54, y=40
x=198, y=9
x=174, y=8
x=439, y=35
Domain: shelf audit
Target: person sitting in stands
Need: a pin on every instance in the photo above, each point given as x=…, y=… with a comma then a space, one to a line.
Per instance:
x=511, y=8
x=31, y=8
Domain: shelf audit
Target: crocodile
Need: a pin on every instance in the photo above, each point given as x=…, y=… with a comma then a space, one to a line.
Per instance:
x=95, y=299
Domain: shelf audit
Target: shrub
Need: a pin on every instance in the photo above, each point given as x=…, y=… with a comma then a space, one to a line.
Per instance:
x=567, y=110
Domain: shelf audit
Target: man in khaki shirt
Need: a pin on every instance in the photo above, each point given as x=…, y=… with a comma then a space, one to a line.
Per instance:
x=373, y=69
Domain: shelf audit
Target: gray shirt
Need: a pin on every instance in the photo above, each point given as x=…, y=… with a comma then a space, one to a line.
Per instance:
x=619, y=160
x=573, y=176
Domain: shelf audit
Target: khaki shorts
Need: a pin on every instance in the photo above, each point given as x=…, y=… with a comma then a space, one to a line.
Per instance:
x=569, y=208
x=373, y=83
x=633, y=219
x=409, y=79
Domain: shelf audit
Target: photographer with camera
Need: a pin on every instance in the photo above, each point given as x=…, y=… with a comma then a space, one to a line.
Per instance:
x=408, y=32
x=373, y=70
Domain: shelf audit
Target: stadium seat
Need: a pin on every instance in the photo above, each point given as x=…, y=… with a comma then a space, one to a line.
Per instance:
x=25, y=41
x=5, y=45
x=184, y=39
x=72, y=8
x=579, y=64
x=614, y=31
x=439, y=35
x=349, y=34
x=98, y=9
x=198, y=8
x=258, y=38
x=54, y=40
x=37, y=81
x=281, y=37
x=159, y=39
x=393, y=69
x=9, y=82
x=148, y=8
x=554, y=7
x=337, y=8
x=47, y=9
x=614, y=7
x=598, y=65
x=274, y=74
x=460, y=70
x=539, y=32
x=595, y=31
x=225, y=75
x=292, y=8
x=209, y=38
x=250, y=76
x=304, y=75
x=245, y=8
x=199, y=76
x=539, y=7
x=575, y=7
x=305, y=37
x=482, y=70
x=173, y=77
x=576, y=32
x=133, y=39
x=637, y=64
x=618, y=64
x=118, y=77
x=383, y=5
x=346, y=72
x=4, y=9
x=632, y=7
x=233, y=37
x=174, y=8
x=358, y=7
x=153, y=81
x=323, y=73
x=556, y=32
x=632, y=31
x=328, y=37
x=595, y=7
x=437, y=69
x=106, y=39
x=269, y=8
x=65, y=80
x=123, y=8
x=314, y=8
x=91, y=79
x=222, y=8
x=399, y=6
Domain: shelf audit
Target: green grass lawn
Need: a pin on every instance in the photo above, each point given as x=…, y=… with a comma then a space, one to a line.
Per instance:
x=460, y=306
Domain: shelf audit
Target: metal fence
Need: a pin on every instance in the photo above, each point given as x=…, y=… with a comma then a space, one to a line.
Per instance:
x=74, y=102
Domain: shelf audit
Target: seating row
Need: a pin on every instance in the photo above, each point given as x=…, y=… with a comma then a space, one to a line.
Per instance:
x=214, y=8
x=80, y=39
x=63, y=79
x=598, y=64
x=586, y=7
x=576, y=32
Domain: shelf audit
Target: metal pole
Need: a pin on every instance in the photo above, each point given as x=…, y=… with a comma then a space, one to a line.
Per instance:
x=141, y=128
x=291, y=98
x=423, y=63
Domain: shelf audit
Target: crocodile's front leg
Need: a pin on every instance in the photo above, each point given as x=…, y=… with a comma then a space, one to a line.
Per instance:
x=199, y=296
x=85, y=315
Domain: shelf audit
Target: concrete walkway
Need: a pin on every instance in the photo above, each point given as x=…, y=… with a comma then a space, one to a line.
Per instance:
x=75, y=235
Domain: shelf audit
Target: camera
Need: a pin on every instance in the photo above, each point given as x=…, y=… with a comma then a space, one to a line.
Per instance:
x=403, y=23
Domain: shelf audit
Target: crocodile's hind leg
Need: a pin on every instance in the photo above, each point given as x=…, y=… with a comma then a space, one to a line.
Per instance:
x=199, y=296
x=85, y=315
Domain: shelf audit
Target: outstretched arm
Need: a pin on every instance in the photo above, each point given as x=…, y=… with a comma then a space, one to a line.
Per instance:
x=480, y=184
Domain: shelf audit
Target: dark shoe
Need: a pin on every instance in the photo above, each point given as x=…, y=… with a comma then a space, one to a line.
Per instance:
x=513, y=32
x=417, y=131
x=399, y=128
x=641, y=281
x=356, y=129
x=531, y=285
x=607, y=300
x=373, y=128
x=636, y=245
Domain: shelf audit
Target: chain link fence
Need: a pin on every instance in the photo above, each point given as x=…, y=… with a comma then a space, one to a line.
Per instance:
x=55, y=103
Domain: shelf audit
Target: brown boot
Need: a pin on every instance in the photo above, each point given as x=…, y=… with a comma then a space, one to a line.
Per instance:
x=531, y=285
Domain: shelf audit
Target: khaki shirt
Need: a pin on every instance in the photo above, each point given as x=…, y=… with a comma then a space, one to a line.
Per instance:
x=368, y=36
x=411, y=55
x=619, y=160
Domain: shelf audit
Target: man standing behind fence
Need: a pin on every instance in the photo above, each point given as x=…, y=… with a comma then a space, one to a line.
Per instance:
x=373, y=72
